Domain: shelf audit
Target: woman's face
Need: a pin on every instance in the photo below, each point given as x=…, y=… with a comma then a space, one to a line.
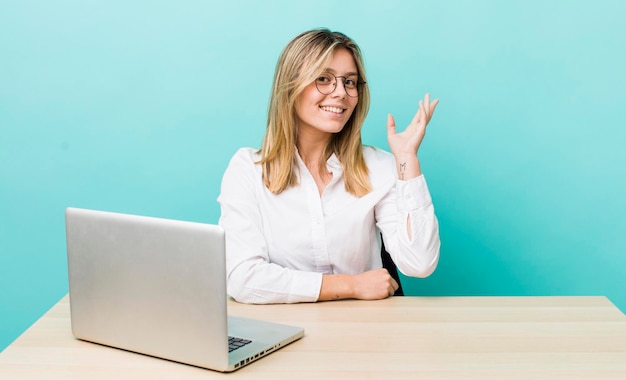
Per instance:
x=318, y=113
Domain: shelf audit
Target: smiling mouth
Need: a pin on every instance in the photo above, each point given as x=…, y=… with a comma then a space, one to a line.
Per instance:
x=333, y=109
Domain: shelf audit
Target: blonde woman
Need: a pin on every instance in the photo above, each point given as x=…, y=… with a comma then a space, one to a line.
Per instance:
x=304, y=214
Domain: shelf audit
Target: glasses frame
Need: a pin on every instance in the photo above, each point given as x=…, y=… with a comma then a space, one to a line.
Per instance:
x=359, y=83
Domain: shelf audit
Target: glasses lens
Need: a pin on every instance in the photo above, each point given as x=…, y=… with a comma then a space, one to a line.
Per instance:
x=325, y=84
x=351, y=85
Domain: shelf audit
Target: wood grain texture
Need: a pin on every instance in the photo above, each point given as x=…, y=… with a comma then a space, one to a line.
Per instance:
x=396, y=338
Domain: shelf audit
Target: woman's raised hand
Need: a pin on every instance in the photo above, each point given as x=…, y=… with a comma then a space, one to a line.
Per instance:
x=408, y=142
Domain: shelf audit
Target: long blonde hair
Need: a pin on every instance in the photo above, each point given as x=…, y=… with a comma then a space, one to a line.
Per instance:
x=300, y=63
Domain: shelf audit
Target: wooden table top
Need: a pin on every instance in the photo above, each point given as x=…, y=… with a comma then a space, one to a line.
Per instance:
x=396, y=338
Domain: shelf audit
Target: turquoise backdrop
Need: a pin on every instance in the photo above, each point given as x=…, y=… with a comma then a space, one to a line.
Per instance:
x=137, y=106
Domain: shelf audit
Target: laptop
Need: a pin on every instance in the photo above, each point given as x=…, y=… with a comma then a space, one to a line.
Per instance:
x=158, y=287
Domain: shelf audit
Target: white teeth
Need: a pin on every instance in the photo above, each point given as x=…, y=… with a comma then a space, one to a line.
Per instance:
x=332, y=109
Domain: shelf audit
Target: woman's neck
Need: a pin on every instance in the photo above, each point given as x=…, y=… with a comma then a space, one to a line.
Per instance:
x=311, y=148
x=311, y=152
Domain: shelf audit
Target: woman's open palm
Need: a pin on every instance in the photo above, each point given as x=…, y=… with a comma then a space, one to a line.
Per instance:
x=409, y=141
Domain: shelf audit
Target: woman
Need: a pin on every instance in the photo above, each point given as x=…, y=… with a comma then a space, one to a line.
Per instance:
x=303, y=215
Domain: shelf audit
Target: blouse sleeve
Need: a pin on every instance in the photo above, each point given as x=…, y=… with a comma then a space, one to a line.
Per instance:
x=251, y=277
x=416, y=255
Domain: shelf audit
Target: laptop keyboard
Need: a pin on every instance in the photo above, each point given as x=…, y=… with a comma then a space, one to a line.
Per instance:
x=235, y=343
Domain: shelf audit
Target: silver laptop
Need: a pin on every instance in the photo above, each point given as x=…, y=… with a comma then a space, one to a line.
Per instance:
x=158, y=287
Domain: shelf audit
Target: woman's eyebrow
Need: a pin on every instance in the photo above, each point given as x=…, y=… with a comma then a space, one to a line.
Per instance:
x=329, y=70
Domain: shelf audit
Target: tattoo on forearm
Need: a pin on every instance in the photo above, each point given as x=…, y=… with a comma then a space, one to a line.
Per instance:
x=402, y=169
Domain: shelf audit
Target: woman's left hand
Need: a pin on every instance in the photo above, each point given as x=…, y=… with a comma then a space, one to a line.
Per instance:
x=408, y=142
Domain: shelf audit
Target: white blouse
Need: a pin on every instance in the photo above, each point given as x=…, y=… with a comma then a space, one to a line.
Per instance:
x=278, y=246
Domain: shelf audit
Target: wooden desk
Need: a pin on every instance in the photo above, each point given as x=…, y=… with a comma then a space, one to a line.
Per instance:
x=397, y=338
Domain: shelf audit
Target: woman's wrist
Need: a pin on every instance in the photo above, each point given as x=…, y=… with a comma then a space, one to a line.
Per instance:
x=336, y=287
x=408, y=167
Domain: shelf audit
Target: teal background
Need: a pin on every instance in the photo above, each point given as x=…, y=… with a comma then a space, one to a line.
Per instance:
x=137, y=106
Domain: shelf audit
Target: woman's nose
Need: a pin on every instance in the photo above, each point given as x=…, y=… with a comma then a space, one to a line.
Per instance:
x=340, y=89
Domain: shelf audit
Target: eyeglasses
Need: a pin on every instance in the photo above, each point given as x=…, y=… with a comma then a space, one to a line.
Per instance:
x=327, y=83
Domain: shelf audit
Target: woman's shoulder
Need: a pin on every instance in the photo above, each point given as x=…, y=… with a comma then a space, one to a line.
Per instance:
x=381, y=165
x=246, y=155
x=375, y=157
x=245, y=159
